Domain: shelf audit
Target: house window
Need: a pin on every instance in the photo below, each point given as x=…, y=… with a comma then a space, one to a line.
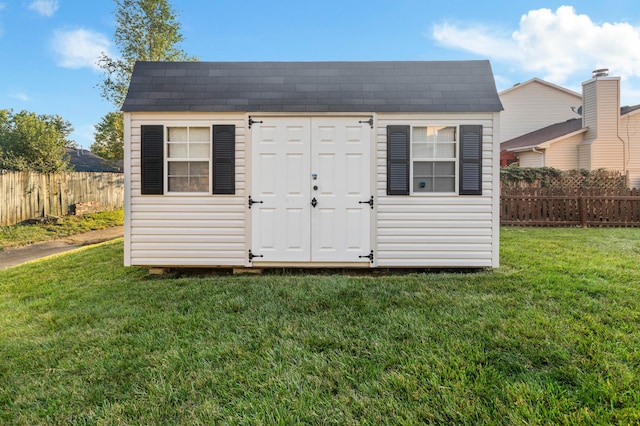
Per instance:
x=433, y=159
x=188, y=159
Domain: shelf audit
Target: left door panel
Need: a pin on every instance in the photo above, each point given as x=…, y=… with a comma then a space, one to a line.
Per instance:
x=281, y=188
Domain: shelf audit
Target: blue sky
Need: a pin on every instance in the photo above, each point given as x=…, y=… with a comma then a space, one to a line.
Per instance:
x=48, y=48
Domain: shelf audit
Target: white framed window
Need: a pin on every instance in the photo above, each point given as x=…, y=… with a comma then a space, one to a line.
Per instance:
x=188, y=159
x=434, y=159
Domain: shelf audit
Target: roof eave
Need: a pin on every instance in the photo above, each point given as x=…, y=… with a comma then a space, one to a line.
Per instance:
x=522, y=148
x=546, y=144
x=563, y=137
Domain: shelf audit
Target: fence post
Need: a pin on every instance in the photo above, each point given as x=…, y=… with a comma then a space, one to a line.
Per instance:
x=582, y=203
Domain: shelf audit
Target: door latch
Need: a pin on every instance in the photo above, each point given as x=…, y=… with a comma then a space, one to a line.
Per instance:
x=252, y=201
x=252, y=256
x=369, y=201
x=252, y=121
x=369, y=122
x=314, y=202
x=368, y=256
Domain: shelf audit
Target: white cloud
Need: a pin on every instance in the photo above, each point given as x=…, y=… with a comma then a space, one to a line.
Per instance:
x=44, y=7
x=477, y=39
x=20, y=96
x=502, y=81
x=79, y=48
x=554, y=44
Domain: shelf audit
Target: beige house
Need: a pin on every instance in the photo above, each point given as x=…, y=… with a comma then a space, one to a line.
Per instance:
x=606, y=136
x=533, y=105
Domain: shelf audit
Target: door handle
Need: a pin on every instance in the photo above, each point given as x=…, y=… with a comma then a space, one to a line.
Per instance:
x=314, y=202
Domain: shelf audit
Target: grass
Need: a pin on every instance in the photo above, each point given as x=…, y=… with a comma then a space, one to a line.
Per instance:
x=550, y=338
x=19, y=235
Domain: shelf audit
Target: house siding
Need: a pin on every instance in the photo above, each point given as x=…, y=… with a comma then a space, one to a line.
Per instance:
x=602, y=115
x=530, y=159
x=590, y=110
x=584, y=156
x=437, y=231
x=630, y=134
x=563, y=154
x=185, y=230
x=532, y=106
x=407, y=231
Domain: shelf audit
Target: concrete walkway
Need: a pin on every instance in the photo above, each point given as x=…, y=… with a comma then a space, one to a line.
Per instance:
x=18, y=255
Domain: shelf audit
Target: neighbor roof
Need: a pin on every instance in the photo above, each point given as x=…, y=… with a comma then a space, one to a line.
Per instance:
x=518, y=86
x=554, y=131
x=86, y=161
x=543, y=135
x=629, y=109
x=427, y=86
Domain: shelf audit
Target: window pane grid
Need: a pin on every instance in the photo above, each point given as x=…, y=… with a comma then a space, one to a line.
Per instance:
x=433, y=153
x=188, y=159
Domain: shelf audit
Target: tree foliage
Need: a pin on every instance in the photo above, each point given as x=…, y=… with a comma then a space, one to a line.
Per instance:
x=34, y=142
x=515, y=173
x=109, y=137
x=548, y=177
x=146, y=30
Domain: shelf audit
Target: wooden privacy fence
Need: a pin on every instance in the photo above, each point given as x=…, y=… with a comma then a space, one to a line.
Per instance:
x=25, y=195
x=573, y=207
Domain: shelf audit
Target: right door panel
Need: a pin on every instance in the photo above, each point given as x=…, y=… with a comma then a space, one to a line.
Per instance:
x=340, y=158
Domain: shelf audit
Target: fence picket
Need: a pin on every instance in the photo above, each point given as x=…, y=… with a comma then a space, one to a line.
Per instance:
x=570, y=207
x=28, y=194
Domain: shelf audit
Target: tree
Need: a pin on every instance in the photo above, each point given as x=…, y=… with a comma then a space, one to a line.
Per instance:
x=109, y=137
x=34, y=142
x=147, y=30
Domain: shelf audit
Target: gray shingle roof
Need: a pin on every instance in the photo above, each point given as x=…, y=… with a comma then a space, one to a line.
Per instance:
x=86, y=161
x=627, y=109
x=421, y=86
x=543, y=135
x=552, y=132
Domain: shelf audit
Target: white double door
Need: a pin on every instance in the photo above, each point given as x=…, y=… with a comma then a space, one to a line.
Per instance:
x=310, y=184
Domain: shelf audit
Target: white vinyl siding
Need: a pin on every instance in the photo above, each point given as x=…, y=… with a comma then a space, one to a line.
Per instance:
x=185, y=229
x=533, y=105
x=439, y=230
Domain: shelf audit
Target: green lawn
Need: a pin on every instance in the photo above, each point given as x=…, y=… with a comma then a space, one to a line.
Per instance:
x=550, y=338
x=18, y=235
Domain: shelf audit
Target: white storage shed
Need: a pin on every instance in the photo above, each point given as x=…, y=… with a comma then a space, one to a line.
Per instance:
x=312, y=164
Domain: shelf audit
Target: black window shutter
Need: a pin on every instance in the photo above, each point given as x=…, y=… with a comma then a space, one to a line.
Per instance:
x=470, y=160
x=224, y=159
x=398, y=157
x=152, y=159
